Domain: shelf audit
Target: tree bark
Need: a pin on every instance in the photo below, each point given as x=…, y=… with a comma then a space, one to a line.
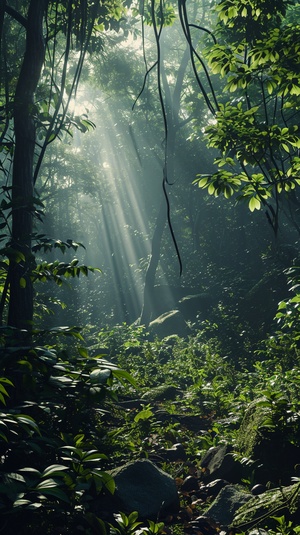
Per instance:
x=160, y=226
x=172, y=106
x=20, y=313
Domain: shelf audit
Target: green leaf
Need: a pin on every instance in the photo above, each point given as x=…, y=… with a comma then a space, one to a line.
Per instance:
x=27, y=504
x=282, y=305
x=202, y=182
x=124, y=376
x=6, y=381
x=254, y=204
x=211, y=189
x=56, y=492
x=54, y=470
x=83, y=352
x=47, y=484
x=27, y=421
x=144, y=414
x=93, y=455
x=100, y=376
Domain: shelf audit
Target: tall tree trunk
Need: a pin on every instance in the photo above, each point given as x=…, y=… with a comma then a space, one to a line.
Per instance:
x=20, y=311
x=160, y=225
x=172, y=108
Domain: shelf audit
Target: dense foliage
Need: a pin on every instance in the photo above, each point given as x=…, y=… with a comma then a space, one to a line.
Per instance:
x=66, y=418
x=77, y=402
x=256, y=129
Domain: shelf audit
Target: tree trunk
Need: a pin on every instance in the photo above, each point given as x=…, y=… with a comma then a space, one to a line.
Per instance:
x=172, y=107
x=20, y=311
x=160, y=225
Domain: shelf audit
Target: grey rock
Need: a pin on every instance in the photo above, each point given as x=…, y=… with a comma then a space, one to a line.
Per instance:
x=143, y=487
x=176, y=453
x=192, y=305
x=190, y=483
x=214, y=487
x=219, y=463
x=228, y=501
x=275, y=456
x=258, y=489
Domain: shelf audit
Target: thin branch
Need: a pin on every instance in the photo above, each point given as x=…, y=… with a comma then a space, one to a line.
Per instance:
x=16, y=15
x=193, y=53
x=144, y=84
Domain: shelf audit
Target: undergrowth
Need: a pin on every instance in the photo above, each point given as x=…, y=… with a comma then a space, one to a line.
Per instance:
x=70, y=414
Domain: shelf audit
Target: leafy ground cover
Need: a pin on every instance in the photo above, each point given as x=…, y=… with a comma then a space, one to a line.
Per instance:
x=69, y=415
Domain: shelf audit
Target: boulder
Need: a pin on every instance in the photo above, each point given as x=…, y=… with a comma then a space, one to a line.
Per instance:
x=214, y=487
x=264, y=437
x=194, y=305
x=276, y=502
x=219, y=463
x=169, y=323
x=229, y=500
x=143, y=487
x=174, y=454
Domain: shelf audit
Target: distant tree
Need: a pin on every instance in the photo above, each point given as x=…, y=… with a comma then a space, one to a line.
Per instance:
x=43, y=47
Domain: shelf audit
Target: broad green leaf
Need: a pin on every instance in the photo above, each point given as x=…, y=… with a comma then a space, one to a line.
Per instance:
x=144, y=414
x=108, y=482
x=6, y=381
x=54, y=470
x=211, y=189
x=83, y=352
x=124, y=376
x=100, y=376
x=47, y=484
x=254, y=204
x=27, y=504
x=93, y=456
x=56, y=492
x=203, y=181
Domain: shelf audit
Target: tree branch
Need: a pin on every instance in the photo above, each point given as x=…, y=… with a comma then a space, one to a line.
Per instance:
x=17, y=16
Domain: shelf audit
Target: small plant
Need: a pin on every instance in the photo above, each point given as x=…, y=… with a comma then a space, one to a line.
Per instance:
x=284, y=527
x=129, y=525
x=125, y=525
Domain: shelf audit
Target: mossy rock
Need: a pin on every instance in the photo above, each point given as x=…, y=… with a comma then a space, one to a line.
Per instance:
x=263, y=441
x=161, y=393
x=249, y=434
x=275, y=502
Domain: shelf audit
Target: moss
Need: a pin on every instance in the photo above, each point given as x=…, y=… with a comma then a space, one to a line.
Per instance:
x=274, y=502
x=161, y=393
x=250, y=435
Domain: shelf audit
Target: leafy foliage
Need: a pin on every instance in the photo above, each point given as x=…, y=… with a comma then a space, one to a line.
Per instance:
x=256, y=130
x=50, y=431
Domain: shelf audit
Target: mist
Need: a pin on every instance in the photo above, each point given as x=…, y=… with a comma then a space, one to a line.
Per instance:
x=106, y=192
